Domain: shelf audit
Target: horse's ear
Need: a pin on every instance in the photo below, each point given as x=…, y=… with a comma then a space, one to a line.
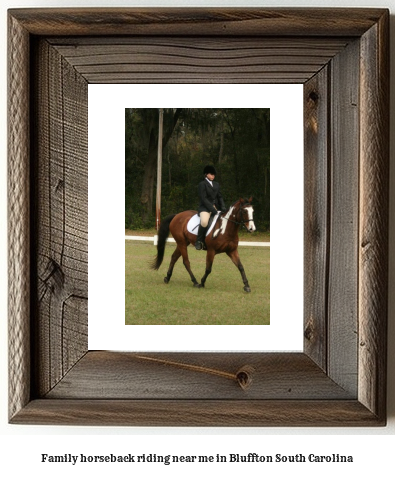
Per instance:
x=250, y=200
x=241, y=200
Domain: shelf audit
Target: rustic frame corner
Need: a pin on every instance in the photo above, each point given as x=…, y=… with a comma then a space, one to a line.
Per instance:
x=342, y=58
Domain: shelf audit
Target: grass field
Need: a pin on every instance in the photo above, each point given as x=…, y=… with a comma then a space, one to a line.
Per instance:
x=149, y=301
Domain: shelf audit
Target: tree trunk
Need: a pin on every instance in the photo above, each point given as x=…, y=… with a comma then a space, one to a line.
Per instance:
x=147, y=187
x=221, y=148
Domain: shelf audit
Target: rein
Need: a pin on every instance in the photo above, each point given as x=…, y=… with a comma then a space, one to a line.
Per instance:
x=239, y=223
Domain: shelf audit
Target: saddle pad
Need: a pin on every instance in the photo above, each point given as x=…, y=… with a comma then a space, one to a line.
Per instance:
x=193, y=224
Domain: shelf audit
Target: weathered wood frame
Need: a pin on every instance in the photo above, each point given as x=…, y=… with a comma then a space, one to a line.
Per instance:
x=342, y=58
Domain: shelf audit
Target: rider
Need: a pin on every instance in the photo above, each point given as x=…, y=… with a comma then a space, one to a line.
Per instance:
x=210, y=202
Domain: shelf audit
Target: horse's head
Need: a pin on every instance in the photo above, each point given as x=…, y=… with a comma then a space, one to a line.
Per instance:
x=246, y=213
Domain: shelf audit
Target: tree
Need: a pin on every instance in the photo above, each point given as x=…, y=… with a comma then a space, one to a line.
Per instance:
x=235, y=140
x=141, y=127
x=169, y=122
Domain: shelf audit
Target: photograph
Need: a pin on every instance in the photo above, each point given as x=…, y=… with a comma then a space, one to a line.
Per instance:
x=197, y=194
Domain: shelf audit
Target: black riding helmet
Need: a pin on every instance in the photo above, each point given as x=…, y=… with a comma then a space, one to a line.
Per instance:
x=209, y=170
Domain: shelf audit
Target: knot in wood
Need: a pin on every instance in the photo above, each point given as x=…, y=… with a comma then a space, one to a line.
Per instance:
x=54, y=276
x=313, y=96
x=244, y=376
x=309, y=332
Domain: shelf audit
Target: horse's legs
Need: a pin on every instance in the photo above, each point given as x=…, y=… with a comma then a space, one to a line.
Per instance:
x=209, y=263
x=187, y=264
x=174, y=258
x=234, y=255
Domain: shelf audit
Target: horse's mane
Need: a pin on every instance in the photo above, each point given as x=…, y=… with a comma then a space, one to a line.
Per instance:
x=246, y=202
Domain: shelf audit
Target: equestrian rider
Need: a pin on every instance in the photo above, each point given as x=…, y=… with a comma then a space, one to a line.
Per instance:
x=210, y=202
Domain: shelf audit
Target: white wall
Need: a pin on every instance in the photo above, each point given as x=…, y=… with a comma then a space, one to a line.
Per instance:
x=22, y=445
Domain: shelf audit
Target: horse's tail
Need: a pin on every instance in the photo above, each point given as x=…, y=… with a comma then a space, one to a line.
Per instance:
x=163, y=234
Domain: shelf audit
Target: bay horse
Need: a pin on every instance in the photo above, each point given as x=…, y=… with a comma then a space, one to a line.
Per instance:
x=223, y=238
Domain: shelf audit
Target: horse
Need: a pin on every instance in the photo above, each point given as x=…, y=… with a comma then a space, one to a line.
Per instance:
x=223, y=238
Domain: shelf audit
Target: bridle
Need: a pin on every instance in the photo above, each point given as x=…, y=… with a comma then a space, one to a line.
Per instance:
x=242, y=222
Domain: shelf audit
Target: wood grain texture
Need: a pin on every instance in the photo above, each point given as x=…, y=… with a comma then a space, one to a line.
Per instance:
x=316, y=214
x=186, y=60
x=346, y=216
x=373, y=236
x=61, y=207
x=343, y=264
x=196, y=376
x=202, y=413
x=18, y=214
x=198, y=21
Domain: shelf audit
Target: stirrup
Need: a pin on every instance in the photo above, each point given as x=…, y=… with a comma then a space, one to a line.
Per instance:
x=198, y=245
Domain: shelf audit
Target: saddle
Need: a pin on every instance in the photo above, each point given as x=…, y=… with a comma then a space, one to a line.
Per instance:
x=193, y=224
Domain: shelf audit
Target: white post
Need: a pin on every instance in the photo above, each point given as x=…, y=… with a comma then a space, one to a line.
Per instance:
x=159, y=171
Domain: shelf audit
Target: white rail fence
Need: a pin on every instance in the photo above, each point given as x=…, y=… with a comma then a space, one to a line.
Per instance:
x=170, y=239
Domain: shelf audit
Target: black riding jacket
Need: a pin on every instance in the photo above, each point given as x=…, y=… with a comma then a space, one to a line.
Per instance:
x=210, y=196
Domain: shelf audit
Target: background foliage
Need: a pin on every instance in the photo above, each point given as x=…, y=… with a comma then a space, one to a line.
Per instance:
x=235, y=141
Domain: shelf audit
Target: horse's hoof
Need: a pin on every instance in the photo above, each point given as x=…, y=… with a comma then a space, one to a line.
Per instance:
x=198, y=286
x=247, y=289
x=166, y=280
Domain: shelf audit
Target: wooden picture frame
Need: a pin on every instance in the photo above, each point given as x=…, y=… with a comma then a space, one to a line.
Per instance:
x=342, y=58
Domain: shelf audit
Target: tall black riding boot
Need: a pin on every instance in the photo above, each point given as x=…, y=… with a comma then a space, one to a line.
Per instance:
x=199, y=244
